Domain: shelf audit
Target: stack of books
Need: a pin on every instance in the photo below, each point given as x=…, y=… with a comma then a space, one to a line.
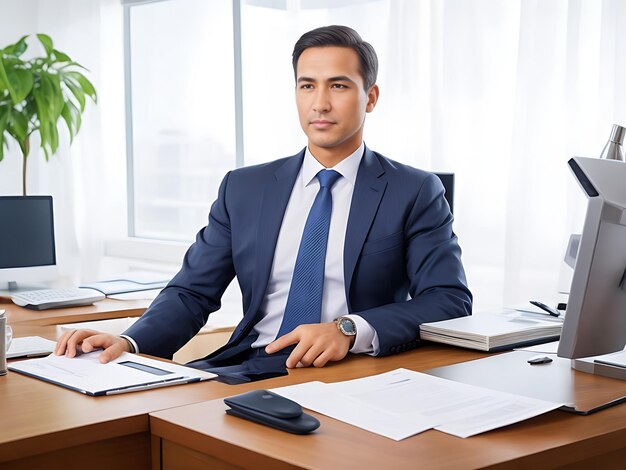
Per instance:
x=494, y=331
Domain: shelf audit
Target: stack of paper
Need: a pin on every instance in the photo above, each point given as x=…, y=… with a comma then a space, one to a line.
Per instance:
x=401, y=403
x=493, y=331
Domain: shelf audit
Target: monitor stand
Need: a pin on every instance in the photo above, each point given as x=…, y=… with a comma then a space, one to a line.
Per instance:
x=609, y=365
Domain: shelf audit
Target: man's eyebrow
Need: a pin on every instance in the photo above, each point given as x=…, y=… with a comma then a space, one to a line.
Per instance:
x=338, y=78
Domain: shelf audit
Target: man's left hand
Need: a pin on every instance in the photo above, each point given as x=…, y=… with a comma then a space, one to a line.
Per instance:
x=316, y=345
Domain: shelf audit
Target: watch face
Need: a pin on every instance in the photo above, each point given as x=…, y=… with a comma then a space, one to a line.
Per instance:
x=347, y=326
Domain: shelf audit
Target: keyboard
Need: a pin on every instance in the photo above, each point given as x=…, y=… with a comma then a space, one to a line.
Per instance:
x=56, y=298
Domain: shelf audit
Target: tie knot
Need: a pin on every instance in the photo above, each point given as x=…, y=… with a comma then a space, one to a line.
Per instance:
x=327, y=178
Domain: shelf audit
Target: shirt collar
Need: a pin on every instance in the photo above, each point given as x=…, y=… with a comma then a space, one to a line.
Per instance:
x=348, y=167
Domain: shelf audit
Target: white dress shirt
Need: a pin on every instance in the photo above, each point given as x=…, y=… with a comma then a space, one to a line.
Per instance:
x=334, y=303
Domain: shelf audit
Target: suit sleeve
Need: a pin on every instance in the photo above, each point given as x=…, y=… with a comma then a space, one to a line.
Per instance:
x=437, y=285
x=182, y=308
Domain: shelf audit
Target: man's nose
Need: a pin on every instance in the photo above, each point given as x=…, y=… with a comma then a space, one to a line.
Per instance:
x=322, y=102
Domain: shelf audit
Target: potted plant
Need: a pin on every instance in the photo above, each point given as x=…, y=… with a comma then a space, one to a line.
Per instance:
x=35, y=94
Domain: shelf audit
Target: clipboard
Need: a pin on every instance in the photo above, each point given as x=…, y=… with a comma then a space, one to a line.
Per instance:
x=127, y=373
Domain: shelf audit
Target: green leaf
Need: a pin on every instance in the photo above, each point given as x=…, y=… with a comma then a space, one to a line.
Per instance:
x=42, y=111
x=56, y=94
x=20, y=78
x=66, y=114
x=54, y=137
x=61, y=56
x=18, y=48
x=50, y=91
x=78, y=93
x=46, y=42
x=77, y=117
x=16, y=78
x=19, y=125
x=85, y=84
x=5, y=84
x=48, y=95
x=72, y=64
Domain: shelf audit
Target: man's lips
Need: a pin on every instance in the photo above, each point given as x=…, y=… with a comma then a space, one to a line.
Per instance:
x=321, y=124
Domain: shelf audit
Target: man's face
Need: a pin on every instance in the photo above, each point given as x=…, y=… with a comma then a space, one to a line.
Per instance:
x=331, y=100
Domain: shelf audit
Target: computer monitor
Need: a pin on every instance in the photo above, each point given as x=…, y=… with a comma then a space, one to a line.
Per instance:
x=27, y=248
x=595, y=320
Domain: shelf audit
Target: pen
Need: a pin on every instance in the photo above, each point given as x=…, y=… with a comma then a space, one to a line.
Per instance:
x=149, y=385
x=551, y=311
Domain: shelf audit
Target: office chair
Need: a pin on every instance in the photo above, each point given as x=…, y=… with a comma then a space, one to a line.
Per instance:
x=447, y=179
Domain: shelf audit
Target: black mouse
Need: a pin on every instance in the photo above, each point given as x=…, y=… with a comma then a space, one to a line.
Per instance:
x=541, y=359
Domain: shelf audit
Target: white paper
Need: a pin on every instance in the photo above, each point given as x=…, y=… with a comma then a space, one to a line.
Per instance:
x=408, y=401
x=30, y=346
x=321, y=397
x=86, y=374
x=150, y=294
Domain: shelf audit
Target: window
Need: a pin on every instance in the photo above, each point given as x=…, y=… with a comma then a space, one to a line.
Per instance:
x=180, y=113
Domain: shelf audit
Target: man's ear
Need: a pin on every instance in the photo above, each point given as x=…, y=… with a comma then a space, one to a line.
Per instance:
x=372, y=98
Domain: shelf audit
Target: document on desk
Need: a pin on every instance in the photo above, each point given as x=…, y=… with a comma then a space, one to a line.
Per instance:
x=129, y=282
x=30, y=346
x=402, y=402
x=127, y=373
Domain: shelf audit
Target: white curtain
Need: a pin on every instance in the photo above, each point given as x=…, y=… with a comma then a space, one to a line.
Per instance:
x=503, y=93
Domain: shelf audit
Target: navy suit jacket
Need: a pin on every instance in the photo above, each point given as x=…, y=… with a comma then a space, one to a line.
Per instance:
x=402, y=262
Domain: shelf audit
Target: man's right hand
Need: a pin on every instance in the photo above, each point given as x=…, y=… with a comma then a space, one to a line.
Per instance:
x=88, y=340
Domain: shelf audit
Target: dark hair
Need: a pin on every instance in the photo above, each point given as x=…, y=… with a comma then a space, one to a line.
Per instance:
x=341, y=36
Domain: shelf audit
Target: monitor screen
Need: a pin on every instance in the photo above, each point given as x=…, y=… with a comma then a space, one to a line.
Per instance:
x=595, y=320
x=27, y=249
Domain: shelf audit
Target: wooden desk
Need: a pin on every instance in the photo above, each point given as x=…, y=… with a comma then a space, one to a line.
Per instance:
x=202, y=434
x=44, y=425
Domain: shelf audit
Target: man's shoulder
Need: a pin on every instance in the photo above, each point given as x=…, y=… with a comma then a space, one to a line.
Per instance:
x=263, y=169
x=395, y=169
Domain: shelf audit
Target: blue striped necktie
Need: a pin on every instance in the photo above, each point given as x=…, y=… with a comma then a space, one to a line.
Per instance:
x=304, y=303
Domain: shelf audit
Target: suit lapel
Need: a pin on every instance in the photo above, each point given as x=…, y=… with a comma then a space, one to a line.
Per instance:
x=368, y=192
x=273, y=206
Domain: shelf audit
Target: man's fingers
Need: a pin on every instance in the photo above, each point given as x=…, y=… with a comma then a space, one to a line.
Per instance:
x=62, y=342
x=323, y=359
x=311, y=355
x=87, y=340
x=282, y=342
x=113, y=352
x=75, y=339
x=297, y=354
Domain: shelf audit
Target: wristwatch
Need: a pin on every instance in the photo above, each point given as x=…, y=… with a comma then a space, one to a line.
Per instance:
x=346, y=326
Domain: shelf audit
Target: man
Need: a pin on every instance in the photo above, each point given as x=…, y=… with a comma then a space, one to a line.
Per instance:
x=335, y=249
